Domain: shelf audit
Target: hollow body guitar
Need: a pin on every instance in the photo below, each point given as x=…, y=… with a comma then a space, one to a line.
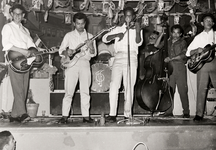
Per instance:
x=196, y=61
x=21, y=64
x=70, y=61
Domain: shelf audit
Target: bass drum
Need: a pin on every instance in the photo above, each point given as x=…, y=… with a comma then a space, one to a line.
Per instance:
x=105, y=51
x=101, y=77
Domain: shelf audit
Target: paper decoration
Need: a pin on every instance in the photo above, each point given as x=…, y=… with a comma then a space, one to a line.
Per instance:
x=158, y=20
x=121, y=4
x=84, y=5
x=68, y=18
x=176, y=19
x=49, y=4
x=36, y=4
x=145, y=20
x=160, y=5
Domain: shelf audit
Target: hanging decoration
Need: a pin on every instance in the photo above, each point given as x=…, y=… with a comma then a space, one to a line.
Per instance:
x=84, y=5
x=145, y=21
x=151, y=7
x=176, y=19
x=5, y=7
x=47, y=8
x=107, y=8
x=36, y=4
x=61, y=4
x=68, y=19
x=121, y=4
x=160, y=5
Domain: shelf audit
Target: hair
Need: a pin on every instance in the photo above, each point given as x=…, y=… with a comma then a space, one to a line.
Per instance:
x=79, y=16
x=208, y=15
x=177, y=27
x=4, y=138
x=18, y=6
x=129, y=9
x=155, y=32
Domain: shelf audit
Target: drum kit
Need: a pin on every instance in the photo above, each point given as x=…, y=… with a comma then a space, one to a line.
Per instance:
x=101, y=71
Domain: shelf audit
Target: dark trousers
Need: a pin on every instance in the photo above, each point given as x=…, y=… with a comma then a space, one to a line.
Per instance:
x=204, y=75
x=19, y=83
x=179, y=78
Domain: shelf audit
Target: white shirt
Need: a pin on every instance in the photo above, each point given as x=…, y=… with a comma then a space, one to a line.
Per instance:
x=123, y=44
x=201, y=40
x=73, y=39
x=16, y=35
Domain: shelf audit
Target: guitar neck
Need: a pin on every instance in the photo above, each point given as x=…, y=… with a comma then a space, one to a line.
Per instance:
x=43, y=52
x=209, y=48
x=91, y=39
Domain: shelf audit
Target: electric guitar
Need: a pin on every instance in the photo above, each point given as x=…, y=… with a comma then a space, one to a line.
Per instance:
x=21, y=64
x=70, y=61
x=197, y=60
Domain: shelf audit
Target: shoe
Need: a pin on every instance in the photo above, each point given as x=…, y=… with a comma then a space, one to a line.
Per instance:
x=197, y=118
x=168, y=115
x=63, y=120
x=13, y=119
x=185, y=116
x=25, y=118
x=110, y=119
x=87, y=120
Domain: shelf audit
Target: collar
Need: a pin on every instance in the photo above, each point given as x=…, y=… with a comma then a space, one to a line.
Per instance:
x=170, y=39
x=17, y=25
x=84, y=32
x=211, y=31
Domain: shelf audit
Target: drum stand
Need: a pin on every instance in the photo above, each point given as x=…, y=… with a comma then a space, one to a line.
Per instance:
x=131, y=120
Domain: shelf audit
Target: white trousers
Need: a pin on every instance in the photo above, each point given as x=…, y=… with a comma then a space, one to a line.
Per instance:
x=120, y=70
x=80, y=71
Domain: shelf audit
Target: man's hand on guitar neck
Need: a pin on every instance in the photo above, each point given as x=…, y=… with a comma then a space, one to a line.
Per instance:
x=70, y=52
x=89, y=45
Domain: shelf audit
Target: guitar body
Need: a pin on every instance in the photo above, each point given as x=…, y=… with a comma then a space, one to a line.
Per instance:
x=196, y=62
x=71, y=60
x=19, y=63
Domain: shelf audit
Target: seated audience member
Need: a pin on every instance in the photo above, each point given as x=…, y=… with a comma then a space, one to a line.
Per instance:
x=7, y=141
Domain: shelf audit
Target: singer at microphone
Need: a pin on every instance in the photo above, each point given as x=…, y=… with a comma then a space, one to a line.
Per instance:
x=121, y=63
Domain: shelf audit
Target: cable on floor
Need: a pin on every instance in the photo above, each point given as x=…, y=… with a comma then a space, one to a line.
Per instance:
x=140, y=143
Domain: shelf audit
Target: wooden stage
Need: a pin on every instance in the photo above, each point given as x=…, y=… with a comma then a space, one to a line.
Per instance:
x=152, y=133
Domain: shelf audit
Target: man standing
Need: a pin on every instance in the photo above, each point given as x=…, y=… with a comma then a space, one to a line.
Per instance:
x=78, y=67
x=208, y=72
x=120, y=69
x=17, y=38
x=177, y=48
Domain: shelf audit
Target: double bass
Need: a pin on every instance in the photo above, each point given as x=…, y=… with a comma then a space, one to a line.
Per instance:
x=153, y=92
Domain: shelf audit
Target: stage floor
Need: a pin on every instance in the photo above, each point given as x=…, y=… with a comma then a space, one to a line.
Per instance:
x=139, y=120
x=154, y=133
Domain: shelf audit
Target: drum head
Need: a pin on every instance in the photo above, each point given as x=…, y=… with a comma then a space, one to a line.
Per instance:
x=104, y=55
x=101, y=77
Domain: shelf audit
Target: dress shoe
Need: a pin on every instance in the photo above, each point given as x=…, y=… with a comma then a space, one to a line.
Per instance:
x=63, y=120
x=197, y=118
x=14, y=119
x=168, y=115
x=25, y=118
x=110, y=119
x=185, y=116
x=88, y=120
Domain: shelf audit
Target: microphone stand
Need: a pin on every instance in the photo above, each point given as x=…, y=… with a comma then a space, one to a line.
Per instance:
x=131, y=120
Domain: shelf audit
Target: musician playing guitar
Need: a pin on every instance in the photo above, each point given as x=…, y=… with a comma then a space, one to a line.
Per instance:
x=17, y=38
x=74, y=41
x=207, y=72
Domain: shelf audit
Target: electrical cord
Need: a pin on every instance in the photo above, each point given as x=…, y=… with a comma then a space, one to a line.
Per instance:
x=140, y=143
